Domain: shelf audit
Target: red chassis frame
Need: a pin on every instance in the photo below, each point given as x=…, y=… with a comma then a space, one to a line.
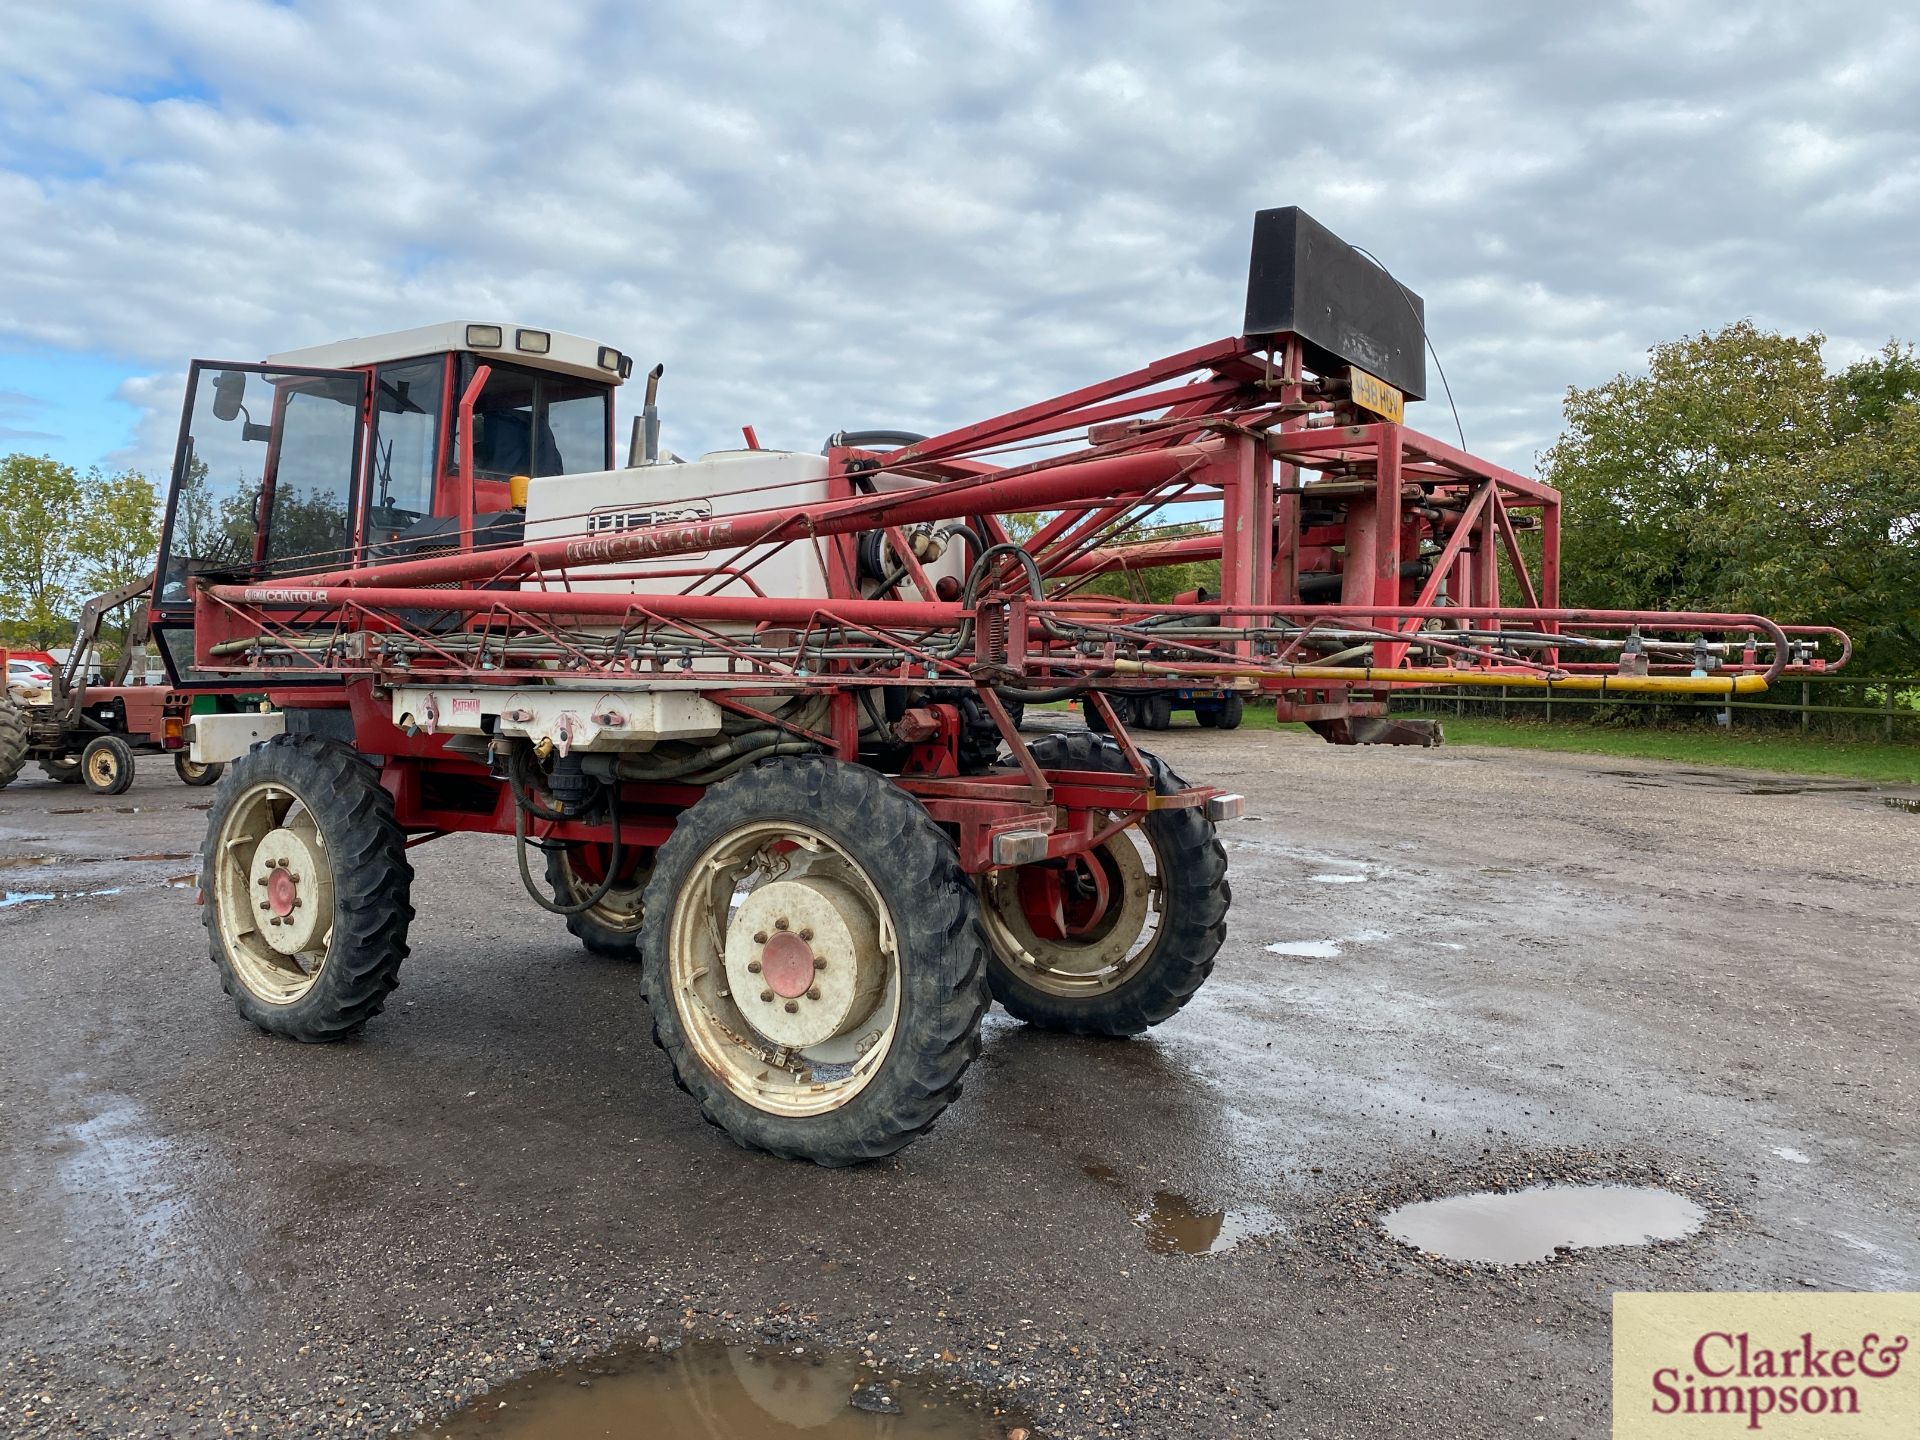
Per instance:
x=1411, y=540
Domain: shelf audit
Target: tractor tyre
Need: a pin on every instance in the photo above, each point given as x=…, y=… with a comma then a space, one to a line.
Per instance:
x=63, y=769
x=1207, y=717
x=307, y=888
x=1156, y=712
x=1103, y=966
x=13, y=740
x=193, y=772
x=1232, y=710
x=813, y=957
x=1124, y=709
x=611, y=926
x=107, y=765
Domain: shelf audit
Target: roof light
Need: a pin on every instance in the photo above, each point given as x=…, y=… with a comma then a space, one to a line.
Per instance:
x=484, y=337
x=534, y=342
x=609, y=358
x=626, y=366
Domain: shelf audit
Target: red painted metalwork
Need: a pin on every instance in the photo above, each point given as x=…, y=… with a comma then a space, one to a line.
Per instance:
x=1356, y=557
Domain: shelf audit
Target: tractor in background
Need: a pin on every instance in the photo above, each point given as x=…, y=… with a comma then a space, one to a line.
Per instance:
x=81, y=732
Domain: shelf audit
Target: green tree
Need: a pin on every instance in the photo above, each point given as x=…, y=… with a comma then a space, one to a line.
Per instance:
x=1737, y=474
x=116, y=541
x=1649, y=463
x=39, y=498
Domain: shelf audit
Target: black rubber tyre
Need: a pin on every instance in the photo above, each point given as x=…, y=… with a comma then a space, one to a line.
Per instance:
x=1207, y=717
x=1193, y=916
x=64, y=769
x=1124, y=706
x=196, y=775
x=942, y=949
x=1232, y=710
x=1156, y=712
x=608, y=929
x=13, y=740
x=107, y=765
x=372, y=885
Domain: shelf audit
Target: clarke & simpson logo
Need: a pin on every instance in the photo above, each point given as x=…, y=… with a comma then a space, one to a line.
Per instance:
x=1785, y=1365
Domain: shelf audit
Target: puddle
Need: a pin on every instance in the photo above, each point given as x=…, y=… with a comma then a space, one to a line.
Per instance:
x=1742, y=784
x=1178, y=1225
x=724, y=1392
x=36, y=897
x=1792, y=1156
x=1307, y=949
x=1175, y=1225
x=1894, y=802
x=1521, y=1225
x=1324, y=949
x=1339, y=879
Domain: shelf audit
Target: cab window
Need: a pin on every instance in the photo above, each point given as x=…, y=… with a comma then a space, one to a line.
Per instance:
x=531, y=422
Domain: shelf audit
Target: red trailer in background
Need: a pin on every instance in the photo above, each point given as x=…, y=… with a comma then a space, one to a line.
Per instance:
x=748, y=714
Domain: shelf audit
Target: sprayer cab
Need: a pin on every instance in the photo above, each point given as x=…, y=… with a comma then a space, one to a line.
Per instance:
x=374, y=449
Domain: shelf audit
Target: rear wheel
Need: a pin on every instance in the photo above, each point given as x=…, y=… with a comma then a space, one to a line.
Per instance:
x=307, y=888
x=107, y=765
x=13, y=740
x=1156, y=712
x=610, y=926
x=812, y=953
x=193, y=772
x=62, y=768
x=1232, y=709
x=1116, y=940
x=1124, y=710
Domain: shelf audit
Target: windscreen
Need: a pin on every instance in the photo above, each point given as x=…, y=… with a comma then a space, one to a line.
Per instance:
x=264, y=480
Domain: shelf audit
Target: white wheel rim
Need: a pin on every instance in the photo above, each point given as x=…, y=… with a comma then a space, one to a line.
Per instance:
x=273, y=893
x=787, y=1051
x=1112, y=952
x=619, y=909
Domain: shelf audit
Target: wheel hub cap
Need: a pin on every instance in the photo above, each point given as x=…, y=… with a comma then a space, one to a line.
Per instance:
x=293, y=892
x=803, y=960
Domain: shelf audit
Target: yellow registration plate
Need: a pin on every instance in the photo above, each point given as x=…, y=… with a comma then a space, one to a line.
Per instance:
x=1370, y=392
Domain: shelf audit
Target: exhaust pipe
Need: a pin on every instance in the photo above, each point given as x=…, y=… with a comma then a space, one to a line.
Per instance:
x=643, y=445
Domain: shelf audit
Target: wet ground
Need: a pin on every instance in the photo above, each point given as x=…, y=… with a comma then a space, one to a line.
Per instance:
x=1448, y=972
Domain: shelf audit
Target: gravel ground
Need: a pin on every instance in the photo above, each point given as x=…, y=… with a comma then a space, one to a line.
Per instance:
x=1497, y=968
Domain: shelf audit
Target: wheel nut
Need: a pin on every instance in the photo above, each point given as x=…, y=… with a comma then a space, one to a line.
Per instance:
x=792, y=1006
x=806, y=935
x=753, y=967
x=766, y=995
x=819, y=962
x=781, y=923
x=760, y=938
x=814, y=993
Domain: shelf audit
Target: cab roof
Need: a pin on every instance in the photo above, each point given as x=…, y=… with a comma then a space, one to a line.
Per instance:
x=541, y=349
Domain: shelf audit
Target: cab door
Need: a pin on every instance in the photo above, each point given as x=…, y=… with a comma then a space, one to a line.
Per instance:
x=267, y=481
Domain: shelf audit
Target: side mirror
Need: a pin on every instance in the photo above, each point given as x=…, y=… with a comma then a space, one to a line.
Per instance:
x=229, y=389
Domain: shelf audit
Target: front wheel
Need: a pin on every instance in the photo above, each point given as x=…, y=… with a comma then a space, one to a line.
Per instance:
x=307, y=888
x=107, y=765
x=62, y=769
x=1118, y=939
x=812, y=954
x=192, y=772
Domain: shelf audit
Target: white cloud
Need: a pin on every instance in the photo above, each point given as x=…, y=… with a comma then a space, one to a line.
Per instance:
x=847, y=215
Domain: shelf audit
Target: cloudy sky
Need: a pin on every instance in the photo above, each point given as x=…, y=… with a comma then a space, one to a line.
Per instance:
x=833, y=214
